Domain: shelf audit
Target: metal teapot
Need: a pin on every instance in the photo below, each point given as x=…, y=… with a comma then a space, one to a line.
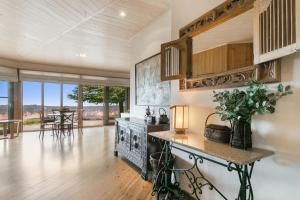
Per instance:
x=163, y=118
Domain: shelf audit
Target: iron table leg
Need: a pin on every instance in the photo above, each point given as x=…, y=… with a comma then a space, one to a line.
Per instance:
x=245, y=173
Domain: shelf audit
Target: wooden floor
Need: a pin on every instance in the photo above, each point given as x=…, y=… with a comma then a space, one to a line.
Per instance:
x=79, y=168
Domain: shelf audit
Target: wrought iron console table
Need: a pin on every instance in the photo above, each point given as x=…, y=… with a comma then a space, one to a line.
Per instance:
x=232, y=159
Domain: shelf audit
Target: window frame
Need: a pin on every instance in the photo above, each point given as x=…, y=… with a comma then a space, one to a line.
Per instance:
x=6, y=97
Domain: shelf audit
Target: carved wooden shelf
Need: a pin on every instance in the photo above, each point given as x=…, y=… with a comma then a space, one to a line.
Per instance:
x=266, y=72
x=224, y=12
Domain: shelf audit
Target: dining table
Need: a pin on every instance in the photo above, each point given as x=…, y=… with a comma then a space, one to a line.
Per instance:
x=60, y=117
x=7, y=123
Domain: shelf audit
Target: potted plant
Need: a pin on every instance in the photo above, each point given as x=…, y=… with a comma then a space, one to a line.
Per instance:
x=238, y=106
x=64, y=109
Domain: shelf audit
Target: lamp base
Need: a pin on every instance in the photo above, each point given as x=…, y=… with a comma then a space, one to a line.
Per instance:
x=180, y=131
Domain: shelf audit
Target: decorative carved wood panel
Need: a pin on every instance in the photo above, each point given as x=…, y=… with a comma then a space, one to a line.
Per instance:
x=216, y=16
x=266, y=72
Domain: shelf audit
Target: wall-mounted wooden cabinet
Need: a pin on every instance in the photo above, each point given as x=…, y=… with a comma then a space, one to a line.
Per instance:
x=276, y=29
x=276, y=26
x=222, y=59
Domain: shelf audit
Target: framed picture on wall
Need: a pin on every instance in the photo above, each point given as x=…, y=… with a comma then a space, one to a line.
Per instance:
x=149, y=90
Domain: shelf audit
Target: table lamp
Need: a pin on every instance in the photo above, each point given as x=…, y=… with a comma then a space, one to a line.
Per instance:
x=180, y=118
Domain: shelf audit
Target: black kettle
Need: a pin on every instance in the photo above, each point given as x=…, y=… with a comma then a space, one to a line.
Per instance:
x=163, y=118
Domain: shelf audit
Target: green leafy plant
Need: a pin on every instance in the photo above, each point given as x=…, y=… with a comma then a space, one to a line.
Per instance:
x=241, y=105
x=64, y=109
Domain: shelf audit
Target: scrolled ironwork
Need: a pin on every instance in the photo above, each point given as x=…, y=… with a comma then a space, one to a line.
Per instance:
x=168, y=188
x=197, y=180
x=229, y=167
x=196, y=183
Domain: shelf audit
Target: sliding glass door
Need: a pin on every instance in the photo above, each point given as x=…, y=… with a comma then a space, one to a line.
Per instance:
x=92, y=105
x=117, y=100
x=52, y=97
x=68, y=92
x=40, y=99
x=32, y=108
x=69, y=100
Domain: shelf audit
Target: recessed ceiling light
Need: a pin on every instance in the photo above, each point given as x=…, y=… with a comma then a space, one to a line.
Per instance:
x=122, y=14
x=81, y=55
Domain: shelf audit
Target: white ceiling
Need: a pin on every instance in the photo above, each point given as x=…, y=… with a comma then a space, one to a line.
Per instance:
x=57, y=31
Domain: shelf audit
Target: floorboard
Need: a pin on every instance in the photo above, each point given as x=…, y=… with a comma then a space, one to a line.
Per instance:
x=82, y=167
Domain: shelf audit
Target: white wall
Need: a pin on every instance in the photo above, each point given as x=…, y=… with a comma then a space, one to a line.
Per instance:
x=274, y=178
x=145, y=44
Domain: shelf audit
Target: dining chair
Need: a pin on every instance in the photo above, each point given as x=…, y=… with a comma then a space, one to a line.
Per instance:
x=58, y=120
x=67, y=122
x=75, y=120
x=46, y=121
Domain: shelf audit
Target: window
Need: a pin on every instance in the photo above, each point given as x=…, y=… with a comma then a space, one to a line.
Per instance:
x=4, y=89
x=40, y=98
x=68, y=96
x=32, y=99
x=70, y=93
x=52, y=97
x=3, y=100
x=92, y=105
x=117, y=102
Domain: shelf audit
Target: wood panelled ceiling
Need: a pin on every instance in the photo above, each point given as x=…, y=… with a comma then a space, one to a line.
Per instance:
x=58, y=31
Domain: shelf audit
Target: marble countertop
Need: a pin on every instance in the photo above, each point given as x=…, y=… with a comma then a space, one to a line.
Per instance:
x=222, y=151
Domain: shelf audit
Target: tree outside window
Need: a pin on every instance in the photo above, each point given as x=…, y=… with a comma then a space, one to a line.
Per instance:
x=95, y=94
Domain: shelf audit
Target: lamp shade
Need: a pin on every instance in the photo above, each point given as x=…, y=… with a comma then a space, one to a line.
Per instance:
x=180, y=118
